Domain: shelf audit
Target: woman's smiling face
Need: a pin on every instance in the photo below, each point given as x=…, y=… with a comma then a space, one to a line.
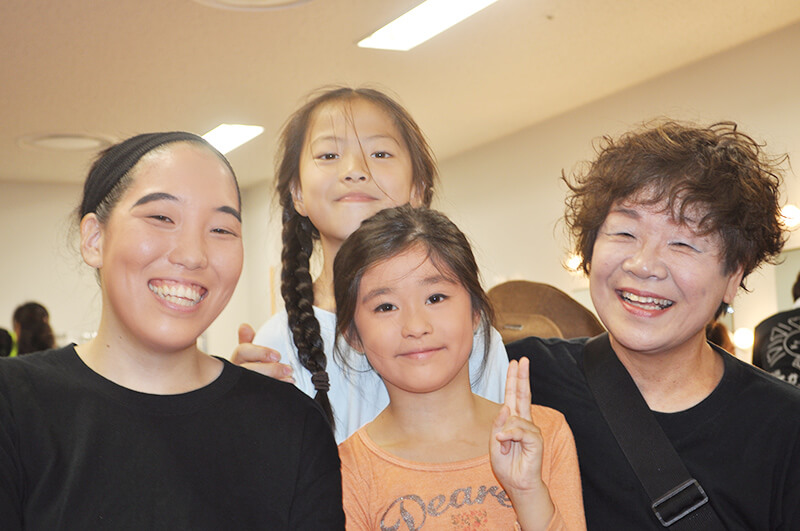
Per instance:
x=170, y=255
x=655, y=283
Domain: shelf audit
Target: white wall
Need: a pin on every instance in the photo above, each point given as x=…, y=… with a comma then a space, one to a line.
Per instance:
x=41, y=263
x=507, y=194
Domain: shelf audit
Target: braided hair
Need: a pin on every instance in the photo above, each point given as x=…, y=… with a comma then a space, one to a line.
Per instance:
x=299, y=233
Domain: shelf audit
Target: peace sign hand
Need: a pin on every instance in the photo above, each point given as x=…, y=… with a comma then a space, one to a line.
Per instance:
x=515, y=449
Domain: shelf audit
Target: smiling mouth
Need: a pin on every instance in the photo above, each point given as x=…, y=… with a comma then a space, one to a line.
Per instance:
x=356, y=198
x=178, y=293
x=420, y=353
x=646, y=303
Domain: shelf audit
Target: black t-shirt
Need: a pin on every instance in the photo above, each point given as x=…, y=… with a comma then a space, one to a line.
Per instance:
x=78, y=451
x=742, y=443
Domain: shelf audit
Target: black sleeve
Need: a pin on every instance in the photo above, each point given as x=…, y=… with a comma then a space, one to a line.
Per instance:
x=10, y=470
x=317, y=503
x=790, y=502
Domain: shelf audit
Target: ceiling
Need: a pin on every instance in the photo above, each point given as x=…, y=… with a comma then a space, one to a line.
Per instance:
x=119, y=67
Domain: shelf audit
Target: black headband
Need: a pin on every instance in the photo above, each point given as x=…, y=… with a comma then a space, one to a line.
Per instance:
x=118, y=160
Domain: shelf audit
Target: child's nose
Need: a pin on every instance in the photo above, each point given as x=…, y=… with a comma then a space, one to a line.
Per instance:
x=416, y=324
x=355, y=168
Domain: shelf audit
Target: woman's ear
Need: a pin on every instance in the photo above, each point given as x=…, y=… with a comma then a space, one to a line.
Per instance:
x=732, y=286
x=297, y=198
x=92, y=241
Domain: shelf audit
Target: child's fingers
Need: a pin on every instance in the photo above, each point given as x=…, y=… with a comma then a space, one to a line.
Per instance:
x=516, y=429
x=523, y=396
x=246, y=333
x=501, y=418
x=510, y=399
x=498, y=424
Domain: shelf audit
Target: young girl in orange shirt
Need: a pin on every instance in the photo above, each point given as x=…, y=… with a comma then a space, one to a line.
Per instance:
x=408, y=296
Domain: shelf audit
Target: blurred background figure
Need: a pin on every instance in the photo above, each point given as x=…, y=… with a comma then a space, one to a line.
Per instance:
x=32, y=328
x=718, y=333
x=6, y=343
x=776, y=347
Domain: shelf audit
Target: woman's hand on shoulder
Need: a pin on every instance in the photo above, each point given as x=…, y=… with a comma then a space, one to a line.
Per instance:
x=260, y=359
x=516, y=448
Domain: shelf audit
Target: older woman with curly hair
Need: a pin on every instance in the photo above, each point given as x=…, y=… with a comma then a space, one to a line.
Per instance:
x=669, y=221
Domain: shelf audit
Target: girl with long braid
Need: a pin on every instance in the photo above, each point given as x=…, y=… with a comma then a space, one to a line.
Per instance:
x=345, y=155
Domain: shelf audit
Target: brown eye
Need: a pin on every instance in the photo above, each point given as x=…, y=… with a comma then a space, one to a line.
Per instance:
x=438, y=297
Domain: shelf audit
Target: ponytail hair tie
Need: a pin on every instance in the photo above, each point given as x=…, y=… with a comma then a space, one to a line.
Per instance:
x=320, y=381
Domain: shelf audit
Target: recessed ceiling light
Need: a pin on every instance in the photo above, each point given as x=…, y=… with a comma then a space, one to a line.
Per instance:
x=65, y=142
x=422, y=23
x=227, y=137
x=251, y=5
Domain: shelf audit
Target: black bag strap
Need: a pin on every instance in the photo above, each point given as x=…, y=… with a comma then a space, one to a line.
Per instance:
x=678, y=500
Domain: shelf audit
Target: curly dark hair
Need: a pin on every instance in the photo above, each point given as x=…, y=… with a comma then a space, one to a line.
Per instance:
x=391, y=232
x=299, y=233
x=717, y=171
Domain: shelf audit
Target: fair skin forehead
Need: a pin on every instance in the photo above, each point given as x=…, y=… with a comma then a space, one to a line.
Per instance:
x=334, y=121
x=164, y=159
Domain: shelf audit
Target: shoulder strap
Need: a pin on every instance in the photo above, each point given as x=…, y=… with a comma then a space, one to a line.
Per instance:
x=678, y=500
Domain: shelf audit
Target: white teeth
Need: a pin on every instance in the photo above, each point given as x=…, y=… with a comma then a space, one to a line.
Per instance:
x=646, y=302
x=179, y=294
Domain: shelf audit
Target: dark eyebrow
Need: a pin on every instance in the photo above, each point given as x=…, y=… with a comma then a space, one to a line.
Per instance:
x=156, y=196
x=427, y=281
x=375, y=293
x=232, y=211
x=436, y=279
x=380, y=136
x=338, y=139
x=162, y=196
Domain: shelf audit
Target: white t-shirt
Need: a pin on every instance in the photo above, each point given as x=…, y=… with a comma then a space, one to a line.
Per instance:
x=358, y=395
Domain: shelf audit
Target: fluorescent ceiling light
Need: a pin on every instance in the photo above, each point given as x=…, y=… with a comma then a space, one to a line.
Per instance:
x=227, y=137
x=422, y=23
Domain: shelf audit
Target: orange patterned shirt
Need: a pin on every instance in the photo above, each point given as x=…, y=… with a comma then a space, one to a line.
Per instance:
x=384, y=492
